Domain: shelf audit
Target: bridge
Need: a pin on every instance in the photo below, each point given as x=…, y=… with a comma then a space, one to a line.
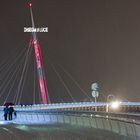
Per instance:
x=56, y=121
x=61, y=121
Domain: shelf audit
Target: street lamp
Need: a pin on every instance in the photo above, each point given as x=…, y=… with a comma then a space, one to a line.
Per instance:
x=115, y=104
x=107, y=101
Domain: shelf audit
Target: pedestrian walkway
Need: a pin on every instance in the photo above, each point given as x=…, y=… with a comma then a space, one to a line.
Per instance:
x=116, y=126
x=56, y=132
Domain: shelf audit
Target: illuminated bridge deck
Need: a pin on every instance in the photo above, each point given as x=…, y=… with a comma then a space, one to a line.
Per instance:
x=40, y=122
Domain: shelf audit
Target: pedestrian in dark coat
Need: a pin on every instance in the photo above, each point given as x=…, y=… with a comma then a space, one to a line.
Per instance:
x=5, y=112
x=10, y=112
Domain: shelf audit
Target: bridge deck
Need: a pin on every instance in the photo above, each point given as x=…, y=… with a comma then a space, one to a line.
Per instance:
x=55, y=132
x=67, y=125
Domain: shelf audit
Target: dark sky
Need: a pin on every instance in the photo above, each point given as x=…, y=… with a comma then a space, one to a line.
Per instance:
x=93, y=40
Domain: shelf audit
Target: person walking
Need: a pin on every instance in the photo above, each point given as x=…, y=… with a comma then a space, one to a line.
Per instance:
x=10, y=112
x=5, y=112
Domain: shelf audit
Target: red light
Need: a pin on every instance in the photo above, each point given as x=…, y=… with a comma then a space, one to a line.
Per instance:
x=30, y=4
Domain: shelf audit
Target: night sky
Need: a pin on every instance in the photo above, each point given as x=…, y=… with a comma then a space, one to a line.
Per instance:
x=92, y=40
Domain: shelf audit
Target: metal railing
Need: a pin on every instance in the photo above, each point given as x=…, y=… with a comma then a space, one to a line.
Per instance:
x=124, y=124
x=107, y=122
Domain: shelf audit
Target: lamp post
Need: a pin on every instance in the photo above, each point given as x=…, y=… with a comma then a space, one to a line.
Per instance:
x=107, y=101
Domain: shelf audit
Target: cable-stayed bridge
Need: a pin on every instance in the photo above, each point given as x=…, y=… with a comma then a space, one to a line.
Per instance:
x=76, y=120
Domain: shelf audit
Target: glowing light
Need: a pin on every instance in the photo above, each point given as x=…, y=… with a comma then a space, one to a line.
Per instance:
x=115, y=104
x=30, y=4
x=35, y=41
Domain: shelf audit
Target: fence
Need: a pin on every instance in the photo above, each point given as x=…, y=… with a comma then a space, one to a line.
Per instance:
x=121, y=126
x=118, y=123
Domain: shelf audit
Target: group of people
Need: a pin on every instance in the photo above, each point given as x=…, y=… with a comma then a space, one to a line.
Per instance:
x=8, y=112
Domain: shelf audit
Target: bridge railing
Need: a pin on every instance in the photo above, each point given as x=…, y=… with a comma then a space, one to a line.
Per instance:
x=124, y=124
x=125, y=127
x=128, y=128
x=59, y=105
x=90, y=106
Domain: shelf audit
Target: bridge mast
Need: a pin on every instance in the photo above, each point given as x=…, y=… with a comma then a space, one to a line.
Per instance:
x=39, y=62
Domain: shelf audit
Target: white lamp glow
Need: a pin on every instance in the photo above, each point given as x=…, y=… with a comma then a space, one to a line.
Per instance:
x=115, y=104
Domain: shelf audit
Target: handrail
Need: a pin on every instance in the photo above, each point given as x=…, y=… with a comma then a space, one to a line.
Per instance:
x=127, y=117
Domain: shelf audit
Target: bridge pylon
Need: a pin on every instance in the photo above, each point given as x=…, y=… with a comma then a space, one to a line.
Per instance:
x=39, y=61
